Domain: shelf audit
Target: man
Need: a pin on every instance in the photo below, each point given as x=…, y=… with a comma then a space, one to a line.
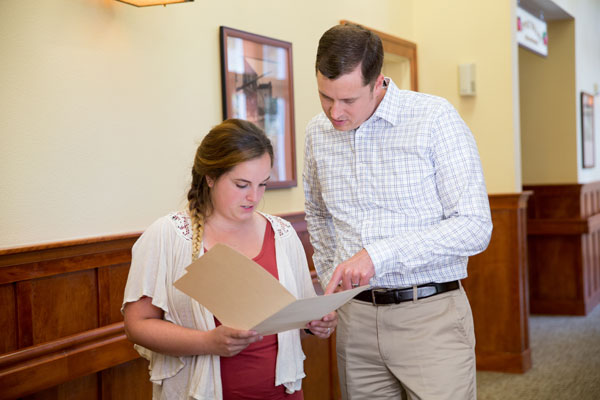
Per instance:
x=395, y=198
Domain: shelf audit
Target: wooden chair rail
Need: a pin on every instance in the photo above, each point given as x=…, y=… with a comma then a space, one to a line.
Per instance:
x=36, y=368
x=562, y=226
x=51, y=249
x=39, y=261
x=62, y=345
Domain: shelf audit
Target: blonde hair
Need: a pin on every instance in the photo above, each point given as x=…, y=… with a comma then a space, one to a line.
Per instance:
x=228, y=144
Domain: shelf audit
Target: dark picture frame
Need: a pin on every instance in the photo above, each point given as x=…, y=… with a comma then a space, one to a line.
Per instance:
x=257, y=85
x=588, y=140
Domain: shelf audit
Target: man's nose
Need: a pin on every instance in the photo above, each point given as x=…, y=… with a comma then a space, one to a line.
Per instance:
x=336, y=110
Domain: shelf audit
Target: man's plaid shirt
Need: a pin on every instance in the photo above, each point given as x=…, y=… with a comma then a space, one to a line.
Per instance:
x=406, y=185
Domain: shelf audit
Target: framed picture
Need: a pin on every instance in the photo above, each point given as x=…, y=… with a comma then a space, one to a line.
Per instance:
x=256, y=77
x=587, y=130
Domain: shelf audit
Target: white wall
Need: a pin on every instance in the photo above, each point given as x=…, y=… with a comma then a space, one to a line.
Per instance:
x=587, y=57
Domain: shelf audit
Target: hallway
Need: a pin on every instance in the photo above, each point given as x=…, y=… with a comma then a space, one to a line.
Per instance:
x=566, y=362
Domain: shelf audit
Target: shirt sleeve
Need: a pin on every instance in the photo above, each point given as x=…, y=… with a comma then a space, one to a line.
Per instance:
x=152, y=254
x=150, y=257
x=466, y=226
x=318, y=219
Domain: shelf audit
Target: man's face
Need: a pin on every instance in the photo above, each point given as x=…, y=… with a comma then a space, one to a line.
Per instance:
x=346, y=101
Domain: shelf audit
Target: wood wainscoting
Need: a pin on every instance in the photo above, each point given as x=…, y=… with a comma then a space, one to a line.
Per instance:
x=320, y=366
x=497, y=288
x=498, y=292
x=62, y=327
x=63, y=333
x=564, y=248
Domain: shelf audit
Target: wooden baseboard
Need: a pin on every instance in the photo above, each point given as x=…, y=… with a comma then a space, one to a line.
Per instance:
x=557, y=307
x=504, y=362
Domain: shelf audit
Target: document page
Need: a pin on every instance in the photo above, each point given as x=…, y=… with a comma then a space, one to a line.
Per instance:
x=242, y=295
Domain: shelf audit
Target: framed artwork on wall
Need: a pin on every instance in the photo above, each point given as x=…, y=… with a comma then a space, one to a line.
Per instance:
x=257, y=85
x=588, y=154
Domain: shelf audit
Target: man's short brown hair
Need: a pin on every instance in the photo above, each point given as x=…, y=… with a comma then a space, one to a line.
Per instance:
x=343, y=47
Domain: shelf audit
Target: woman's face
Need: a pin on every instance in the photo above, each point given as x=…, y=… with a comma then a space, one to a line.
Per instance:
x=236, y=193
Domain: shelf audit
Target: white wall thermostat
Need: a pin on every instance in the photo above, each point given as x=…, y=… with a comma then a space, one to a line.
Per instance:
x=466, y=79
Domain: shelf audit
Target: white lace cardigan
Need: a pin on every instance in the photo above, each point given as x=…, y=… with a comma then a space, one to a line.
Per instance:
x=159, y=258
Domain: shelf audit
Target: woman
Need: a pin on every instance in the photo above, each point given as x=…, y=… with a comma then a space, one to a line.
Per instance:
x=191, y=354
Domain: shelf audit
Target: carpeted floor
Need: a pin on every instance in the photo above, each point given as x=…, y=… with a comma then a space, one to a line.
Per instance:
x=566, y=363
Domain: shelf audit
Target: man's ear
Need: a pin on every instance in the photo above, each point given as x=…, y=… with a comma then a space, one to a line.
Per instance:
x=379, y=82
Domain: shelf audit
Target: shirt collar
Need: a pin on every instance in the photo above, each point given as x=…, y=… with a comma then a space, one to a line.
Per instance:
x=388, y=108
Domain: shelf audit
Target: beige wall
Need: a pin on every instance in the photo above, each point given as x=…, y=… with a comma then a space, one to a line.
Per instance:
x=587, y=72
x=548, y=118
x=481, y=32
x=562, y=161
x=103, y=104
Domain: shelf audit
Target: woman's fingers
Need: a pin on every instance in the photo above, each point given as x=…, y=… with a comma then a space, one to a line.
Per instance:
x=230, y=342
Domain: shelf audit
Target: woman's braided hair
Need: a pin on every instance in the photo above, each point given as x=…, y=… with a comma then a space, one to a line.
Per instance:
x=228, y=144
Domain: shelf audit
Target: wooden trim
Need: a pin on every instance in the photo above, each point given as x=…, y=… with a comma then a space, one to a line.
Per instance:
x=563, y=226
x=564, y=248
x=67, y=243
x=34, y=262
x=497, y=288
x=103, y=279
x=297, y=220
x=24, y=313
x=32, y=369
x=505, y=362
x=395, y=45
x=509, y=201
x=556, y=189
x=27, y=354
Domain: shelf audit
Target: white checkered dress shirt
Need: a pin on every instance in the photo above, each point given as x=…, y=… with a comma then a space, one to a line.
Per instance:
x=406, y=185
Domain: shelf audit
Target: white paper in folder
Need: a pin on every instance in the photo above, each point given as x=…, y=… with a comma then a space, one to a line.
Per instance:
x=242, y=295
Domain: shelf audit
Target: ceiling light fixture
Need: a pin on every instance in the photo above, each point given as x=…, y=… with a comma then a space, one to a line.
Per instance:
x=145, y=3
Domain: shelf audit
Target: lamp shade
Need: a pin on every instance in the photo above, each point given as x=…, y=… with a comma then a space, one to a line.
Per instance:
x=145, y=3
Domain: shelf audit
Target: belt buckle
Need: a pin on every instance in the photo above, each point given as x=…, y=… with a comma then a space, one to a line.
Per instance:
x=426, y=291
x=373, y=294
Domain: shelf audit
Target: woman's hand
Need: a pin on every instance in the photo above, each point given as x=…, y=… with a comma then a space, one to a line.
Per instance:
x=324, y=327
x=144, y=325
x=227, y=342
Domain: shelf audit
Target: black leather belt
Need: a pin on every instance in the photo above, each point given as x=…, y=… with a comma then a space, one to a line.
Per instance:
x=395, y=296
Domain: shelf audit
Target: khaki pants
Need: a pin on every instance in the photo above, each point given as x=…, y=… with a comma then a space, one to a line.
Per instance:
x=421, y=349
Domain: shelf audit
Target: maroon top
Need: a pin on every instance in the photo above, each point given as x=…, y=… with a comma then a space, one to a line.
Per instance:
x=251, y=373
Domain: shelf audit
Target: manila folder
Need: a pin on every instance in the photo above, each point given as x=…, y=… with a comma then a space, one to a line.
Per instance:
x=242, y=295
